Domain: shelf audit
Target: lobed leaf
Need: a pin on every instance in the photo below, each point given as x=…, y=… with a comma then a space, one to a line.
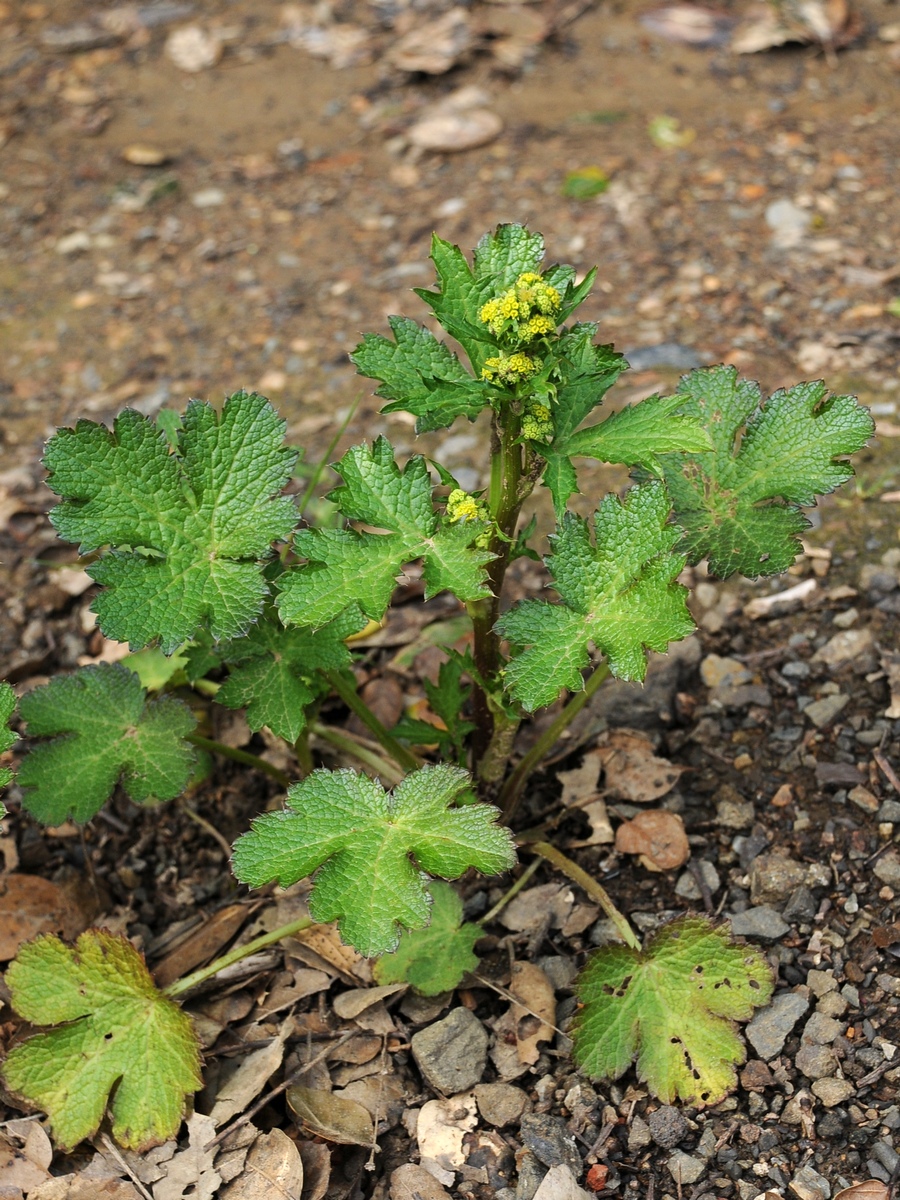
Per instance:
x=187, y=529
x=619, y=592
x=672, y=1007
x=434, y=959
x=117, y=1040
x=370, y=847
x=740, y=503
x=7, y=738
x=110, y=733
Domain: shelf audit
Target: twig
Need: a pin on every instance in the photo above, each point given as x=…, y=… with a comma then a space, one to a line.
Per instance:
x=889, y=772
x=705, y=893
x=589, y=885
x=356, y=704
x=113, y=1151
x=208, y=827
x=348, y=744
x=492, y=913
x=251, y=1112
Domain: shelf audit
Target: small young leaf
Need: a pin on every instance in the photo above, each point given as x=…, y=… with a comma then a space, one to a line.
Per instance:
x=7, y=738
x=619, y=594
x=274, y=671
x=458, y=300
x=740, y=505
x=116, y=1035
x=367, y=843
x=420, y=375
x=187, y=529
x=447, y=699
x=350, y=568
x=111, y=733
x=434, y=959
x=672, y=1006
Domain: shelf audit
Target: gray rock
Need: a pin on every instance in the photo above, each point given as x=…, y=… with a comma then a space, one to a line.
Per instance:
x=768, y=1030
x=850, y=645
x=885, y=1153
x=832, y=1091
x=500, y=1103
x=561, y=971
x=684, y=1168
x=820, y=983
x=887, y=869
x=639, y=1135
x=773, y=877
x=820, y=1030
x=815, y=1061
x=889, y=811
x=687, y=888
x=716, y=671
x=823, y=712
x=667, y=1126
x=796, y=670
x=452, y=1054
x=531, y=1176
x=549, y=1140
x=762, y=923
x=801, y=906
x=741, y=697
x=808, y=1184
x=832, y=1005
x=732, y=810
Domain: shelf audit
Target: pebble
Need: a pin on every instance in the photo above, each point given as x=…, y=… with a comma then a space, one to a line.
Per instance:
x=687, y=888
x=732, y=810
x=139, y=154
x=815, y=1061
x=820, y=1029
x=550, y=1141
x=889, y=811
x=774, y=877
x=887, y=868
x=639, y=1135
x=684, y=1168
x=823, y=712
x=450, y=133
x=789, y=223
x=668, y=1126
x=73, y=243
x=863, y=799
x=848, y=646
x=808, y=1184
x=192, y=49
x=769, y=1029
x=452, y=1054
x=801, y=906
x=833, y=1091
x=845, y=619
x=761, y=922
x=716, y=671
x=208, y=198
x=885, y=1153
x=500, y=1103
x=832, y=1005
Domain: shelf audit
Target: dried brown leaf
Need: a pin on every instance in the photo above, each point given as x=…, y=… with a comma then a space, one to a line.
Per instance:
x=632, y=770
x=658, y=837
x=869, y=1189
x=330, y=1117
x=273, y=1171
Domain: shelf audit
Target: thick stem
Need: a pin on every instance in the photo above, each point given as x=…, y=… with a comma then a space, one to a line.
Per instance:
x=351, y=697
x=590, y=886
x=303, y=752
x=348, y=745
x=241, y=756
x=512, y=789
x=219, y=964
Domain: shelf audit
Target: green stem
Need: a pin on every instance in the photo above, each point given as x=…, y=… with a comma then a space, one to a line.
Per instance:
x=511, y=793
x=323, y=461
x=511, y=893
x=303, y=752
x=348, y=745
x=219, y=964
x=351, y=697
x=241, y=756
x=590, y=886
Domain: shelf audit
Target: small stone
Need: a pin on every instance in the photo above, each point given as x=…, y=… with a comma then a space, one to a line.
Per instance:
x=773, y=877
x=885, y=1153
x=808, y=1184
x=741, y=697
x=762, y=923
x=820, y=1029
x=500, y=1103
x=639, y=1135
x=889, y=811
x=716, y=671
x=830, y=1124
x=789, y=223
x=756, y=1076
x=73, y=243
x=192, y=49
x=550, y=1141
x=687, y=887
x=139, y=154
x=848, y=646
x=667, y=1126
x=208, y=198
x=887, y=868
x=684, y=1168
x=833, y=1091
x=815, y=1061
x=801, y=906
x=732, y=810
x=832, y=1005
x=452, y=1053
x=768, y=1030
x=743, y=761
x=823, y=712
x=863, y=799
x=845, y=619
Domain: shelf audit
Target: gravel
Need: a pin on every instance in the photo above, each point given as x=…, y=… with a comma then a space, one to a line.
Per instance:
x=769, y=1029
x=452, y=1053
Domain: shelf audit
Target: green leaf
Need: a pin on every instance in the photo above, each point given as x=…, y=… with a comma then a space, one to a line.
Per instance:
x=673, y=1007
x=638, y=434
x=507, y=253
x=111, y=733
x=187, y=529
x=350, y=568
x=420, y=375
x=458, y=299
x=371, y=847
x=619, y=593
x=7, y=738
x=739, y=504
x=117, y=1041
x=155, y=669
x=447, y=699
x=274, y=671
x=433, y=960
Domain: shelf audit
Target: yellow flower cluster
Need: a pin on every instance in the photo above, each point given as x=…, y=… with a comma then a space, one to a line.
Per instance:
x=463, y=507
x=510, y=368
x=524, y=309
x=537, y=424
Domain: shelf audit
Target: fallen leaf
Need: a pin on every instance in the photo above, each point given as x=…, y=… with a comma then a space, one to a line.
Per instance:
x=324, y=1115
x=191, y=1173
x=523, y=1026
x=250, y=1078
x=412, y=1182
x=436, y=46
x=579, y=790
x=869, y=1189
x=349, y=1005
x=19, y=1168
x=30, y=905
x=440, y=1131
x=273, y=1169
x=688, y=23
x=539, y=907
x=632, y=770
x=382, y=1096
x=316, y=1169
x=201, y=945
x=77, y=1187
x=658, y=837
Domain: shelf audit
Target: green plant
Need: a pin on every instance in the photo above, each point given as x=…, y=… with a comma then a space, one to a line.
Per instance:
x=206, y=570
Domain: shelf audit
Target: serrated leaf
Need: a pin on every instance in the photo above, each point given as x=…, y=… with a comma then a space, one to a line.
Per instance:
x=118, y=1040
x=638, y=434
x=447, y=699
x=111, y=733
x=7, y=738
x=420, y=375
x=619, y=593
x=188, y=529
x=434, y=959
x=370, y=847
x=346, y=567
x=458, y=299
x=740, y=504
x=673, y=1008
x=274, y=672
x=505, y=254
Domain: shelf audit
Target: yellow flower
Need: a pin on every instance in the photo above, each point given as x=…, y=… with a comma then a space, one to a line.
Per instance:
x=537, y=424
x=463, y=507
x=514, y=311
x=512, y=368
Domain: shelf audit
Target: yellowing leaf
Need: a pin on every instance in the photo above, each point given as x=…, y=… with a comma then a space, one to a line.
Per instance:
x=114, y=1033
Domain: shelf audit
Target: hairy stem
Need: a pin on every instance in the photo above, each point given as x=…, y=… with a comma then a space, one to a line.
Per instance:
x=349, y=745
x=351, y=697
x=241, y=756
x=219, y=964
x=590, y=886
x=511, y=793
